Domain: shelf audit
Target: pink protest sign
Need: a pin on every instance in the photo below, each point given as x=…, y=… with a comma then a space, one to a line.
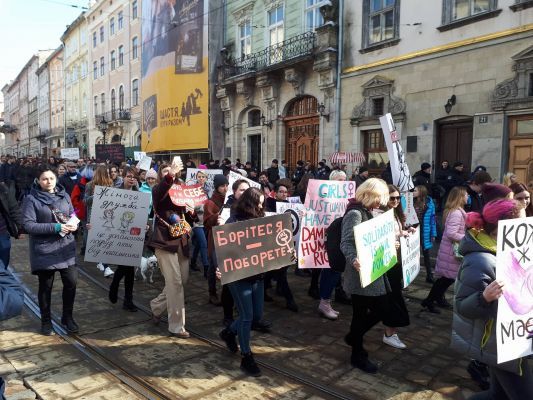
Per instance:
x=325, y=201
x=181, y=194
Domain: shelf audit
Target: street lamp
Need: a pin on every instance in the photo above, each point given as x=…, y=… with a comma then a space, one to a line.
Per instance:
x=103, y=127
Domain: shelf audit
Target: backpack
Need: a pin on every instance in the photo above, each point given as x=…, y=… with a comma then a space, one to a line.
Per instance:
x=337, y=261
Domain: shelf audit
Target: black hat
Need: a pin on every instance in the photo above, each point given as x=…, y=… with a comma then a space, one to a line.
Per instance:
x=220, y=180
x=425, y=166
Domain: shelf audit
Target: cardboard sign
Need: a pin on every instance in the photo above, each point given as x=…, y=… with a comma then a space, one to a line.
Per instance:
x=248, y=248
x=401, y=177
x=324, y=202
x=138, y=155
x=145, y=163
x=410, y=213
x=410, y=249
x=70, y=154
x=192, y=173
x=234, y=176
x=180, y=195
x=113, y=152
x=375, y=241
x=118, y=226
x=514, y=322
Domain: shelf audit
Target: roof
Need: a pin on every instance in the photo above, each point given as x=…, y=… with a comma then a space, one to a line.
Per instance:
x=77, y=22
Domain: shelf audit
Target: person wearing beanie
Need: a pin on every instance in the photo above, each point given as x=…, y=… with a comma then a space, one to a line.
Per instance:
x=362, y=175
x=273, y=172
x=212, y=209
x=495, y=191
x=457, y=174
x=423, y=177
x=474, y=189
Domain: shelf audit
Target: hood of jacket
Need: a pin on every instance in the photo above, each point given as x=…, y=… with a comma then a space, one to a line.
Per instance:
x=45, y=197
x=477, y=242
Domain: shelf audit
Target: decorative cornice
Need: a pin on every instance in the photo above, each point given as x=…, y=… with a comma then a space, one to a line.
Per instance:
x=243, y=14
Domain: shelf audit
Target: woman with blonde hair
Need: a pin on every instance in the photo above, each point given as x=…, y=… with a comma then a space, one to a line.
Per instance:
x=370, y=304
x=509, y=178
x=448, y=259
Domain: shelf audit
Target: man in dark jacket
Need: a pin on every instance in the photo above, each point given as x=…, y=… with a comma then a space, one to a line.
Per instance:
x=423, y=177
x=474, y=190
x=361, y=177
x=298, y=173
x=458, y=178
x=273, y=172
x=71, y=178
x=10, y=221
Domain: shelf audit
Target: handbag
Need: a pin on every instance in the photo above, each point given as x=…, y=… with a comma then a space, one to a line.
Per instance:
x=178, y=229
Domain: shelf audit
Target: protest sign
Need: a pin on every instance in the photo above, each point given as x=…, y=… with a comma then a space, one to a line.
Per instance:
x=144, y=163
x=118, y=226
x=251, y=247
x=296, y=211
x=138, y=155
x=410, y=213
x=225, y=213
x=113, y=152
x=190, y=178
x=324, y=202
x=234, y=176
x=181, y=194
x=375, y=241
x=401, y=177
x=410, y=250
x=294, y=200
x=514, y=322
x=70, y=154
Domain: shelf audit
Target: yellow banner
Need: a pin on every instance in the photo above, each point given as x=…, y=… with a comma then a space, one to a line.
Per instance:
x=175, y=90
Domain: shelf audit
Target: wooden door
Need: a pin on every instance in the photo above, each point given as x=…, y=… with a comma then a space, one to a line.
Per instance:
x=521, y=147
x=302, y=131
x=454, y=143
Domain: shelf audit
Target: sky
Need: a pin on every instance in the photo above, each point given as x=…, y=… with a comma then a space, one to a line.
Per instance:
x=31, y=25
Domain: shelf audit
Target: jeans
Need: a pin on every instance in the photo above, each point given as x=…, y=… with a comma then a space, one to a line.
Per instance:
x=328, y=281
x=5, y=248
x=199, y=242
x=249, y=298
x=129, y=276
x=509, y=386
x=69, y=276
x=439, y=288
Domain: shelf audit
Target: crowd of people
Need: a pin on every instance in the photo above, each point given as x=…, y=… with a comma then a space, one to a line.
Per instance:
x=40, y=198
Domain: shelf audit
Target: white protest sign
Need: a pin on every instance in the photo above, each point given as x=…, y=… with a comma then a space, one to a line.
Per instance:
x=191, y=178
x=138, y=155
x=144, y=163
x=235, y=176
x=296, y=210
x=70, y=154
x=410, y=249
x=410, y=213
x=294, y=200
x=515, y=307
x=226, y=213
x=401, y=176
x=118, y=226
x=375, y=241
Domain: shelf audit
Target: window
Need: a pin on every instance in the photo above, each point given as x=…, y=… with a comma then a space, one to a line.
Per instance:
x=375, y=151
x=254, y=118
x=134, y=10
x=121, y=97
x=95, y=70
x=245, y=39
x=275, y=28
x=135, y=92
x=83, y=69
x=134, y=48
x=120, y=55
x=467, y=8
x=111, y=26
x=113, y=101
x=381, y=21
x=378, y=106
x=113, y=59
x=95, y=105
x=94, y=39
x=120, y=20
x=313, y=18
x=84, y=105
x=102, y=34
x=102, y=66
x=102, y=102
x=466, y=11
x=83, y=37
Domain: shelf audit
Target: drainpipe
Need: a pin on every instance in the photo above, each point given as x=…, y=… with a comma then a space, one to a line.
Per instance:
x=340, y=52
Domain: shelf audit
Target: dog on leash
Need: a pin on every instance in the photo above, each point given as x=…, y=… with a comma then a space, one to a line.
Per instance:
x=146, y=269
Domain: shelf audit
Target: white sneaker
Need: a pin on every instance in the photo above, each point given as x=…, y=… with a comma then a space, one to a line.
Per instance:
x=325, y=310
x=100, y=266
x=108, y=272
x=394, y=341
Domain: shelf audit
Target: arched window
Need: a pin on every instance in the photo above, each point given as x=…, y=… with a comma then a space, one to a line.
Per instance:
x=254, y=118
x=121, y=97
x=113, y=101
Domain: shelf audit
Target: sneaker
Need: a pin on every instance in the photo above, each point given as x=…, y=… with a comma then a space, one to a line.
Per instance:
x=249, y=366
x=100, y=266
x=364, y=364
x=229, y=338
x=108, y=272
x=394, y=341
x=325, y=310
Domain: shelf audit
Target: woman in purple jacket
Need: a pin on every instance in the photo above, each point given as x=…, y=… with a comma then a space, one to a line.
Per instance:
x=448, y=261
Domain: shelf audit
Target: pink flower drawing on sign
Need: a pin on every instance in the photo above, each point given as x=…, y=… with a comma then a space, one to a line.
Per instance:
x=518, y=289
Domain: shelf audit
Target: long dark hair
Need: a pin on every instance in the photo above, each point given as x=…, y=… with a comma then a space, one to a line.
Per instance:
x=247, y=207
x=398, y=211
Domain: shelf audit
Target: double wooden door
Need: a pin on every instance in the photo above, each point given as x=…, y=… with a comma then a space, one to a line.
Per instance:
x=454, y=143
x=521, y=147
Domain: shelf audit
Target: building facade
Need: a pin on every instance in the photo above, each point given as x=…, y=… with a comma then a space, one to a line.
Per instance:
x=43, y=106
x=458, y=82
x=56, y=140
x=114, y=32
x=77, y=84
x=277, y=80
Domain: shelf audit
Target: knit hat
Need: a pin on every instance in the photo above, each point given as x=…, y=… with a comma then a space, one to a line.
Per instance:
x=494, y=191
x=202, y=166
x=425, y=165
x=151, y=173
x=220, y=180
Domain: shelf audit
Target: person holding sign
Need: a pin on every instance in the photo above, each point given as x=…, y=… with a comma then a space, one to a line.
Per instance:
x=46, y=216
x=370, y=304
x=476, y=304
x=172, y=252
x=425, y=211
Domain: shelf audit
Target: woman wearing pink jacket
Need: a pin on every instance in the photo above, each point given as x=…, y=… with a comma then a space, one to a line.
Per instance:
x=448, y=260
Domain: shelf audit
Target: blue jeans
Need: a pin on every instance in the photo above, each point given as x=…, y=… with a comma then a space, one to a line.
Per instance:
x=249, y=298
x=199, y=242
x=5, y=248
x=328, y=281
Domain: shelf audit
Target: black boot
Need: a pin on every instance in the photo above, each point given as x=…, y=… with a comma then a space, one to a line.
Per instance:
x=443, y=303
x=46, y=328
x=69, y=324
x=113, y=291
x=430, y=306
x=249, y=366
x=429, y=275
x=362, y=362
x=229, y=338
x=262, y=326
x=129, y=306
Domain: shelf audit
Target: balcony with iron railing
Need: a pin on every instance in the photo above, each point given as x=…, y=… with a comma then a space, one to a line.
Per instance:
x=288, y=52
x=123, y=114
x=76, y=123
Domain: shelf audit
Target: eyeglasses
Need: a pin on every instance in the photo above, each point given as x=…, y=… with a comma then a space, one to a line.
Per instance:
x=395, y=198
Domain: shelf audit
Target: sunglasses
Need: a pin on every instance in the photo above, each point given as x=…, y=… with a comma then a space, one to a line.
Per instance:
x=397, y=198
